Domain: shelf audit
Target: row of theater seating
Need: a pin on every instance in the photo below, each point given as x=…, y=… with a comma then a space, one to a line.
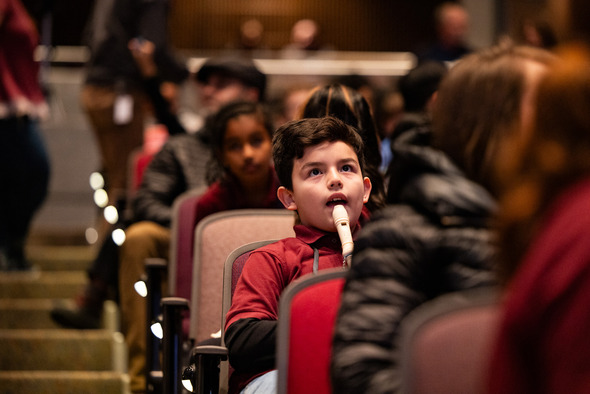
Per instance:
x=205, y=263
x=195, y=274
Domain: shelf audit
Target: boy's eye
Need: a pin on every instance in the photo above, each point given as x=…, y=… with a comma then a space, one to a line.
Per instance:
x=347, y=168
x=314, y=172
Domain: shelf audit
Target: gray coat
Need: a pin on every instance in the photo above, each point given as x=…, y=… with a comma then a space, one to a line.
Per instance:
x=434, y=239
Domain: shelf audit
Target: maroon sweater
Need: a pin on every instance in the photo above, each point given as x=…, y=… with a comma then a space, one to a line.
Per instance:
x=542, y=345
x=252, y=319
x=227, y=195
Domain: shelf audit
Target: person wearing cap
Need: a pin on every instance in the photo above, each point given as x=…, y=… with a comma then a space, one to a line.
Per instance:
x=178, y=167
x=231, y=76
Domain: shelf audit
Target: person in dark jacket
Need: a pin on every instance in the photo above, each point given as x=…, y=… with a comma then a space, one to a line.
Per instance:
x=434, y=237
x=418, y=90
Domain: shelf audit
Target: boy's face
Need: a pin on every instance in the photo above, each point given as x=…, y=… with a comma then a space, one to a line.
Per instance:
x=328, y=174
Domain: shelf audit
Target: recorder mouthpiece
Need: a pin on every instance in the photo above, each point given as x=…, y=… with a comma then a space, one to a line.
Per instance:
x=342, y=224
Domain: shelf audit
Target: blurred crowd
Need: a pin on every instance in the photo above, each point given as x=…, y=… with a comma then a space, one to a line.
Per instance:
x=476, y=157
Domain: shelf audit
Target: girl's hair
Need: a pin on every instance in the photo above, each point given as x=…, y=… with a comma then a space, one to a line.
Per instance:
x=218, y=127
x=478, y=106
x=350, y=106
x=554, y=156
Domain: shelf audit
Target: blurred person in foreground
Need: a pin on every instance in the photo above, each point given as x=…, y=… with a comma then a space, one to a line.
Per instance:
x=544, y=221
x=24, y=164
x=434, y=237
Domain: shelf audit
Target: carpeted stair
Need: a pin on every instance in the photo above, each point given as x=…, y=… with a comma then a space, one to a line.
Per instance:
x=37, y=356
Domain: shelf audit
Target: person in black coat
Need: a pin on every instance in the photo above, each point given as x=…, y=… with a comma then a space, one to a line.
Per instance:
x=434, y=236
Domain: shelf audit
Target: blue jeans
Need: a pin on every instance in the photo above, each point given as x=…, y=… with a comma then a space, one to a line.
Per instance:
x=265, y=384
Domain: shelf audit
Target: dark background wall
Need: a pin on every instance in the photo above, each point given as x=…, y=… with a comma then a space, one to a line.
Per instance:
x=367, y=25
x=68, y=18
x=357, y=25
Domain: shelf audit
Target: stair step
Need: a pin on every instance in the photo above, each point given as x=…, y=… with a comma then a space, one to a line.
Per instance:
x=61, y=349
x=39, y=284
x=61, y=258
x=59, y=382
x=28, y=313
x=33, y=313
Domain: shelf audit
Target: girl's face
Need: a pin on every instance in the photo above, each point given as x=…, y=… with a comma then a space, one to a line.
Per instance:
x=247, y=149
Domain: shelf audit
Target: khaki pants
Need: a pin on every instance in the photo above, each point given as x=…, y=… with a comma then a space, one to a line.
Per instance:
x=144, y=240
x=115, y=142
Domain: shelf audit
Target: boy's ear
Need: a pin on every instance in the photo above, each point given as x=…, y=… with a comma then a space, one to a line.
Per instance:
x=368, y=187
x=286, y=197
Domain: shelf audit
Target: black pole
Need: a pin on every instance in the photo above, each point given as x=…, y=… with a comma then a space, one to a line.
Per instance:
x=155, y=269
x=172, y=310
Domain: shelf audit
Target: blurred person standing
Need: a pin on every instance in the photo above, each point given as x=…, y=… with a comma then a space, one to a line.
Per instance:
x=112, y=95
x=451, y=22
x=305, y=41
x=250, y=40
x=24, y=164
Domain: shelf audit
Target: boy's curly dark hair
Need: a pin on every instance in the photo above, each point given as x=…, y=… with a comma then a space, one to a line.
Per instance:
x=291, y=139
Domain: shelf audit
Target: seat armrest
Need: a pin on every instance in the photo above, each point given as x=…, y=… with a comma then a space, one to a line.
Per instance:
x=204, y=367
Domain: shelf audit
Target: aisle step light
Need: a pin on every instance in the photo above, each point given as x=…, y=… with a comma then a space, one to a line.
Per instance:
x=156, y=327
x=141, y=286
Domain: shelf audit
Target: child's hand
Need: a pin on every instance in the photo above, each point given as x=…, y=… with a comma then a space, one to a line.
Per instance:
x=143, y=53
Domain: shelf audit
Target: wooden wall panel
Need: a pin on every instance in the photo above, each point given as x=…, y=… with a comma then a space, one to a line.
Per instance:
x=373, y=25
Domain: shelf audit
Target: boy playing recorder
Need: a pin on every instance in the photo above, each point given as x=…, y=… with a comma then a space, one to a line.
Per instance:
x=319, y=163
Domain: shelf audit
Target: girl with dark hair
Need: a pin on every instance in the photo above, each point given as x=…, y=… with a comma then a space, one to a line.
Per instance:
x=240, y=171
x=349, y=106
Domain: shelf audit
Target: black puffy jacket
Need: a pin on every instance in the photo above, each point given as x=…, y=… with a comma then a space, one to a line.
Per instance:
x=434, y=238
x=178, y=167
